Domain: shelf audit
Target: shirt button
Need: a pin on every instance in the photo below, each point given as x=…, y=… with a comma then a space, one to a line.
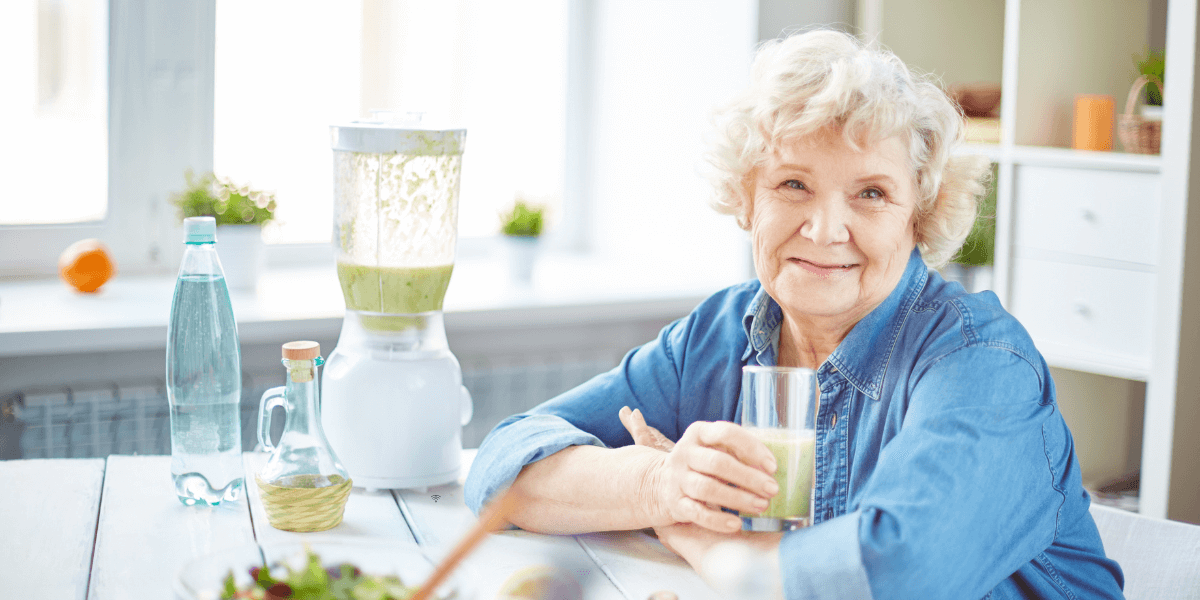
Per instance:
x=833, y=423
x=833, y=369
x=828, y=514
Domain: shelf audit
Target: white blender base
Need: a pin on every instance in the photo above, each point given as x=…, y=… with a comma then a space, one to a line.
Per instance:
x=400, y=483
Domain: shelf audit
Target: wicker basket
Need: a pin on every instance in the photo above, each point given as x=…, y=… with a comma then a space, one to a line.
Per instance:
x=1139, y=135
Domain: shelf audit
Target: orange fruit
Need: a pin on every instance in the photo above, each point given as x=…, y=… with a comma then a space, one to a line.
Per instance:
x=86, y=265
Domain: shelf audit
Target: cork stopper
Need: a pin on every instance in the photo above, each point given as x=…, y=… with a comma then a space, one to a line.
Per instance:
x=303, y=350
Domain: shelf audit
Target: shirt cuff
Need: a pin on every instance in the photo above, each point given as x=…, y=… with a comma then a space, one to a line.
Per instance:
x=824, y=561
x=517, y=442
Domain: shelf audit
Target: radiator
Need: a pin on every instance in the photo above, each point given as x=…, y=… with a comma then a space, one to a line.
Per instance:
x=132, y=417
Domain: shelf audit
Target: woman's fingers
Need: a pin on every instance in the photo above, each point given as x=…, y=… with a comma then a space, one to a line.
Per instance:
x=654, y=437
x=637, y=419
x=709, y=518
x=623, y=415
x=709, y=465
x=712, y=469
x=643, y=434
x=635, y=428
x=735, y=440
x=715, y=465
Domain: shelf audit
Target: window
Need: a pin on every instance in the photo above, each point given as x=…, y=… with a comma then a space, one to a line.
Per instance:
x=595, y=108
x=158, y=107
x=55, y=103
x=127, y=88
x=284, y=76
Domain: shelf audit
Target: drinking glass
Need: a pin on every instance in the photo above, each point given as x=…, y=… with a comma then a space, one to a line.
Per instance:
x=779, y=408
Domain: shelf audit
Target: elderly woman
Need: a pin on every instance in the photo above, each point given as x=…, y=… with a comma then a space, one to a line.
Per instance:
x=943, y=467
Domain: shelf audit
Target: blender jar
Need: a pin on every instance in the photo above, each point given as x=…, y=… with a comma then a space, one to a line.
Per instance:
x=393, y=400
x=395, y=217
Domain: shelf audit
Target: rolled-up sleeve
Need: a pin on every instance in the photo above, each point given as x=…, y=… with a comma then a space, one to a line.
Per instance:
x=516, y=442
x=963, y=495
x=646, y=379
x=824, y=561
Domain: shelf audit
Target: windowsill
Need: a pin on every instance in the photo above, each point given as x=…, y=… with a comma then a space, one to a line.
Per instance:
x=131, y=313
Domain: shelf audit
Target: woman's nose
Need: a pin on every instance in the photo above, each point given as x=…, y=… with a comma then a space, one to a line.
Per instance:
x=826, y=224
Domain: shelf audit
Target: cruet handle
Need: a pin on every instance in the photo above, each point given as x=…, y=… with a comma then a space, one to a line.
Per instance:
x=271, y=398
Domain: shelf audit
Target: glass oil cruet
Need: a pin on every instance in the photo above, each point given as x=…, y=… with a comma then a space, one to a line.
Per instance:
x=303, y=485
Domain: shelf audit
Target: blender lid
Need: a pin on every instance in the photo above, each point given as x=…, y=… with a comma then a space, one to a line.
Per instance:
x=386, y=133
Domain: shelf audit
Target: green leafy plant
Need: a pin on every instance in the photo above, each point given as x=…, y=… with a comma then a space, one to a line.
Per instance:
x=230, y=204
x=1153, y=62
x=980, y=247
x=524, y=220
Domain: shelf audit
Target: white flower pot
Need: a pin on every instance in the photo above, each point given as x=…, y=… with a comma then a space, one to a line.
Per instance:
x=974, y=279
x=980, y=278
x=1152, y=113
x=241, y=250
x=521, y=253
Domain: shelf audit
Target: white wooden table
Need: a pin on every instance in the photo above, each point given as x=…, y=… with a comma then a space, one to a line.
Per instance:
x=112, y=528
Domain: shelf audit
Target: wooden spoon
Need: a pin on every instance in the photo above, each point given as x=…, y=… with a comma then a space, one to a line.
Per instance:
x=494, y=517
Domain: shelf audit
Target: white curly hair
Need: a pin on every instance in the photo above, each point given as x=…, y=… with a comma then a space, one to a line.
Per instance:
x=823, y=78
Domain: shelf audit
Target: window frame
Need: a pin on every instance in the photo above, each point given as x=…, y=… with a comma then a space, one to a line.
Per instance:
x=160, y=80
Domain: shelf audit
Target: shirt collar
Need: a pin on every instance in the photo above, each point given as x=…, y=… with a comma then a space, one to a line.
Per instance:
x=761, y=319
x=864, y=354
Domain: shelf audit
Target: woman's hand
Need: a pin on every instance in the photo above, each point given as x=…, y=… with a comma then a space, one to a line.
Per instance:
x=643, y=434
x=736, y=565
x=690, y=483
x=693, y=543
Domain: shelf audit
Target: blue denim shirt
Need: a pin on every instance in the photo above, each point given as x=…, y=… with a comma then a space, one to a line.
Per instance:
x=943, y=466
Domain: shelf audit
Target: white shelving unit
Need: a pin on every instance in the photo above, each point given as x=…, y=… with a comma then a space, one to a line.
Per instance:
x=1092, y=247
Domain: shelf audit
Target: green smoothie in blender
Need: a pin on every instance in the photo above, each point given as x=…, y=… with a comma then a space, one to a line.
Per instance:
x=393, y=290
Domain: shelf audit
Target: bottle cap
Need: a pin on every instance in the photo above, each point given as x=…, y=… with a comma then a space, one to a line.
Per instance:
x=301, y=350
x=199, y=230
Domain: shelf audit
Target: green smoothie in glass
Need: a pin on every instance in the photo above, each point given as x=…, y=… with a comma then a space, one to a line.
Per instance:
x=793, y=452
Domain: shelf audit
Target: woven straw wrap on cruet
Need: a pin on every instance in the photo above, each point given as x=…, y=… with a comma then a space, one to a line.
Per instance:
x=304, y=509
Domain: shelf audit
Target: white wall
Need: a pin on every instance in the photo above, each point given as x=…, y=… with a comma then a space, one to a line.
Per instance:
x=1052, y=68
x=1105, y=417
x=974, y=29
x=777, y=17
x=661, y=67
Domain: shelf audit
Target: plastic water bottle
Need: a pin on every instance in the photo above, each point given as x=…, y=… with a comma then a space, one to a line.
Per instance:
x=204, y=383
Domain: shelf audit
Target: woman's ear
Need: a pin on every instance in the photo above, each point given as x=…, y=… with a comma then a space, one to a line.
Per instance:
x=748, y=185
x=918, y=237
x=922, y=209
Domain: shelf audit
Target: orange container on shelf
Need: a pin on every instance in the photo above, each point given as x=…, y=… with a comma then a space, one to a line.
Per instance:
x=1093, y=128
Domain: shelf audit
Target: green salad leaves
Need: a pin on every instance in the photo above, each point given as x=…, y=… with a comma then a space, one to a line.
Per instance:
x=314, y=582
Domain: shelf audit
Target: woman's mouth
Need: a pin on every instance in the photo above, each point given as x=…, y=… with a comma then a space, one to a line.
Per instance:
x=822, y=268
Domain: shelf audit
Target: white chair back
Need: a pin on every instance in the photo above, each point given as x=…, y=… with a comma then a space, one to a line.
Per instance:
x=1160, y=558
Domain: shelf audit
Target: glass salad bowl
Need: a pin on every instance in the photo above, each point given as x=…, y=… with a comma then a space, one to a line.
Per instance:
x=395, y=567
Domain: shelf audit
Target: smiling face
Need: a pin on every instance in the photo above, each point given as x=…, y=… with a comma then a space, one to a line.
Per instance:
x=832, y=228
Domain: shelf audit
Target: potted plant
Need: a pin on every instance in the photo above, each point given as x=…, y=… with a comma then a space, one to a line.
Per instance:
x=522, y=228
x=972, y=266
x=1153, y=63
x=240, y=212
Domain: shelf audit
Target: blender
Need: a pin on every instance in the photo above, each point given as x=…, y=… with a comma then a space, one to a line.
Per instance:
x=393, y=404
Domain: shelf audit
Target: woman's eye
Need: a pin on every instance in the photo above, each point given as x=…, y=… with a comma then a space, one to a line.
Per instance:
x=794, y=184
x=871, y=194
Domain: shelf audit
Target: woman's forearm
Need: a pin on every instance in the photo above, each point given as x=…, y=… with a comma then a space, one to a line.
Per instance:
x=587, y=488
